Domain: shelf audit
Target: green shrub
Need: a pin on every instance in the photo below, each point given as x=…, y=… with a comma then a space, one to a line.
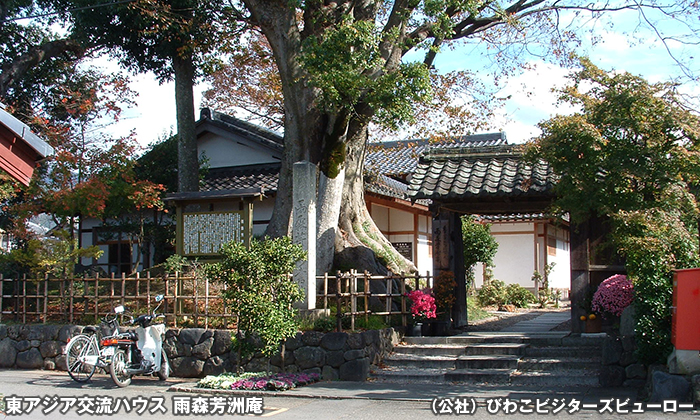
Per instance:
x=519, y=296
x=492, y=293
x=325, y=324
x=260, y=290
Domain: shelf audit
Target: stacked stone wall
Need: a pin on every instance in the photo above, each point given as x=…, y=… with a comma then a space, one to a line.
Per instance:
x=197, y=352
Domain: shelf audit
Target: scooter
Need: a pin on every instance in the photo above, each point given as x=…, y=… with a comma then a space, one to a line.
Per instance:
x=139, y=352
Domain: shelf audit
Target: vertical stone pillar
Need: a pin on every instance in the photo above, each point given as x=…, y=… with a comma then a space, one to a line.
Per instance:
x=304, y=229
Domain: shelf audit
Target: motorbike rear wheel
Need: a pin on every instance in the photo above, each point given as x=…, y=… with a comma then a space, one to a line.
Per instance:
x=164, y=371
x=77, y=349
x=117, y=369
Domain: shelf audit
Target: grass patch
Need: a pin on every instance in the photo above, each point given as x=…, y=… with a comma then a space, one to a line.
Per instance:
x=474, y=311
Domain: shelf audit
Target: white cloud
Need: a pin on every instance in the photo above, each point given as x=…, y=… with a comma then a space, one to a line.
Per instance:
x=531, y=100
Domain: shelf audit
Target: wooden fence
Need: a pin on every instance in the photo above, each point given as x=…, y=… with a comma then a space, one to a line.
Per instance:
x=361, y=294
x=192, y=301
x=189, y=301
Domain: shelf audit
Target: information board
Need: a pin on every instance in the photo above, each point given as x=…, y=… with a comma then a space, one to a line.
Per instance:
x=205, y=233
x=405, y=249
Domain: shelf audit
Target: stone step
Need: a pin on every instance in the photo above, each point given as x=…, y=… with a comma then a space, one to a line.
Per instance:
x=559, y=364
x=430, y=350
x=571, y=377
x=401, y=375
x=560, y=351
x=466, y=340
x=490, y=376
x=495, y=348
x=491, y=361
x=420, y=361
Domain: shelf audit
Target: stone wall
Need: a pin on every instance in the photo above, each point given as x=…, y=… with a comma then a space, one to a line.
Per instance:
x=620, y=366
x=196, y=352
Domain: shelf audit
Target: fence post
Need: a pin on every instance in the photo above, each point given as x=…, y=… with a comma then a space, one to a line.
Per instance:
x=123, y=288
x=70, y=300
x=176, y=306
x=2, y=293
x=403, y=301
x=325, y=290
x=24, y=300
x=206, y=302
x=97, y=296
x=46, y=296
x=196, y=306
x=367, y=294
x=338, y=316
x=353, y=298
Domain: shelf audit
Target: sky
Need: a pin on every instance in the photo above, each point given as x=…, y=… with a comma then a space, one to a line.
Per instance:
x=531, y=99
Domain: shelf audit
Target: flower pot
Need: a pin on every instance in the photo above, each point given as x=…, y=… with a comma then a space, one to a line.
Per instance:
x=594, y=325
x=414, y=330
x=439, y=328
x=425, y=329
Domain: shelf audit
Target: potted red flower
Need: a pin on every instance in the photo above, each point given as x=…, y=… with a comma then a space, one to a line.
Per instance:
x=422, y=309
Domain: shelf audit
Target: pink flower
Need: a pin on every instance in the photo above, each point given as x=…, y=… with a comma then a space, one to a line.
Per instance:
x=613, y=295
x=423, y=304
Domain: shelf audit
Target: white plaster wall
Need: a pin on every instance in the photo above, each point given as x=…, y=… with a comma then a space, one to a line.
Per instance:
x=400, y=220
x=424, y=261
x=223, y=152
x=514, y=261
x=380, y=215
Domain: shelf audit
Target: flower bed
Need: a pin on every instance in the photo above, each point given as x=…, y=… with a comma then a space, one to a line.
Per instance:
x=259, y=381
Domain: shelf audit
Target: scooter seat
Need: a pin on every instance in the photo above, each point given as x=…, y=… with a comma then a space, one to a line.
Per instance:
x=89, y=330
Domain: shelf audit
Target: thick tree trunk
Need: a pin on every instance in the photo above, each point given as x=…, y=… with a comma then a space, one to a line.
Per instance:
x=359, y=243
x=187, y=159
x=334, y=141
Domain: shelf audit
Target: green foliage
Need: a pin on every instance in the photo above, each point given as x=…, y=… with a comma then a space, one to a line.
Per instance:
x=474, y=310
x=519, y=296
x=631, y=155
x=324, y=324
x=654, y=243
x=55, y=256
x=342, y=63
x=492, y=293
x=496, y=293
x=259, y=289
x=479, y=245
x=632, y=142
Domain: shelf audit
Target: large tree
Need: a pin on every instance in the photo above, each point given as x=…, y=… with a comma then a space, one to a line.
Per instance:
x=172, y=39
x=341, y=66
x=631, y=154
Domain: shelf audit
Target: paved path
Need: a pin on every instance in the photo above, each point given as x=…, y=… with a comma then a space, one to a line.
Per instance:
x=542, y=323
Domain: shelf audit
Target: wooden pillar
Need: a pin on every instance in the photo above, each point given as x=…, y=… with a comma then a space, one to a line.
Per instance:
x=179, y=230
x=247, y=222
x=580, y=272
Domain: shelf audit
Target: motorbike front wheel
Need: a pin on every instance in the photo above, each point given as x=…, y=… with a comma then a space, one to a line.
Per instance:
x=117, y=369
x=164, y=371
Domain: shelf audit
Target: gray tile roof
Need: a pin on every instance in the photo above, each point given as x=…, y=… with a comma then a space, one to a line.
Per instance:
x=262, y=177
x=399, y=158
x=389, y=187
x=459, y=173
x=242, y=128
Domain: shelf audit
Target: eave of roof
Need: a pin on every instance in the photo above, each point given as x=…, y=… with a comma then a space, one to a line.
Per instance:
x=22, y=131
x=214, y=195
x=476, y=174
x=243, y=128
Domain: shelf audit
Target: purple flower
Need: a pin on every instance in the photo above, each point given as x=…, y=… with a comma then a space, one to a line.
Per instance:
x=613, y=295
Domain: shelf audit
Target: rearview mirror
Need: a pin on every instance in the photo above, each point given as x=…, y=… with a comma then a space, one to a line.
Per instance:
x=159, y=298
x=119, y=309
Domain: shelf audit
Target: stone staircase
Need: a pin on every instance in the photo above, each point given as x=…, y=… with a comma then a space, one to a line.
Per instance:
x=542, y=359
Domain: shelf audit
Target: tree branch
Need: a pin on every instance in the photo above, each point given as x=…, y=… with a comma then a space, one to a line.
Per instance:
x=35, y=56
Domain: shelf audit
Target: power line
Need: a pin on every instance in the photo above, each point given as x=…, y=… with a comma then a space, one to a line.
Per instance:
x=75, y=9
